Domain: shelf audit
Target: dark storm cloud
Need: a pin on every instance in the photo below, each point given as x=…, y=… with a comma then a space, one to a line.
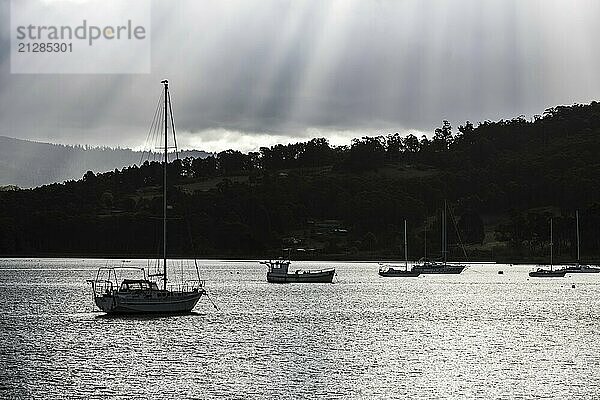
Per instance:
x=248, y=73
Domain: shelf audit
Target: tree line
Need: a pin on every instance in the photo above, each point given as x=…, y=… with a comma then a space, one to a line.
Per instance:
x=507, y=174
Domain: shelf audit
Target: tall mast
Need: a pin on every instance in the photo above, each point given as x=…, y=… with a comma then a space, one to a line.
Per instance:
x=551, y=244
x=444, y=236
x=166, y=84
x=425, y=239
x=405, y=248
x=577, y=217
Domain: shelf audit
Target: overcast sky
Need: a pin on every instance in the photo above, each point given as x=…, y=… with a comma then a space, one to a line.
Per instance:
x=248, y=73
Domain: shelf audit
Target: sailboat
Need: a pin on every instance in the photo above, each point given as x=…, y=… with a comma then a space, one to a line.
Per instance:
x=394, y=271
x=143, y=295
x=440, y=267
x=549, y=273
x=580, y=268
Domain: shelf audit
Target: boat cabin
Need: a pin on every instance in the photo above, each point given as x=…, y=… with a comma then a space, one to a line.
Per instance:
x=279, y=266
x=134, y=285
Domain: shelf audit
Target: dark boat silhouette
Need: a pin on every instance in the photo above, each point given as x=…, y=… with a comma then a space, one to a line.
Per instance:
x=435, y=267
x=579, y=268
x=440, y=267
x=549, y=273
x=393, y=271
x=279, y=273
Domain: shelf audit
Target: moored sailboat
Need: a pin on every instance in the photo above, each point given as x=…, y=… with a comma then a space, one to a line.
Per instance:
x=394, y=271
x=143, y=295
x=440, y=267
x=549, y=273
x=579, y=268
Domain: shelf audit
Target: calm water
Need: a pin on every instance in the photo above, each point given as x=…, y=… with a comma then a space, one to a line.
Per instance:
x=474, y=335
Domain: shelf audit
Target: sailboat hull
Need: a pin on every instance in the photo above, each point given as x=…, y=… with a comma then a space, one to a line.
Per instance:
x=144, y=303
x=438, y=269
x=398, y=273
x=546, y=273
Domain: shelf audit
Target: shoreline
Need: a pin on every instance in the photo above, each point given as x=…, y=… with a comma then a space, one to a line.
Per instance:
x=250, y=258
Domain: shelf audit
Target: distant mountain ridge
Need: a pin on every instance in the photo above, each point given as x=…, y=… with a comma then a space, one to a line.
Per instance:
x=28, y=164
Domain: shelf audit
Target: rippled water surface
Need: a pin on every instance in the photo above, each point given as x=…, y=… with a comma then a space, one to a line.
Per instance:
x=474, y=335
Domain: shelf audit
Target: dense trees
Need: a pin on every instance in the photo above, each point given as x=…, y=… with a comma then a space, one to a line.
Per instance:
x=366, y=153
x=504, y=179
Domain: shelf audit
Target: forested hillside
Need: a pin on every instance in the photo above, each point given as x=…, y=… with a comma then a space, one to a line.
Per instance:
x=27, y=164
x=502, y=180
